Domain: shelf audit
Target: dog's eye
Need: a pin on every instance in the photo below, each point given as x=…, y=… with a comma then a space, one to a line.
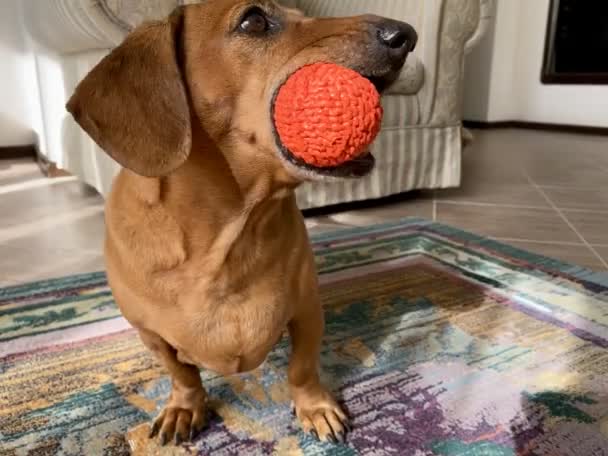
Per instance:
x=254, y=22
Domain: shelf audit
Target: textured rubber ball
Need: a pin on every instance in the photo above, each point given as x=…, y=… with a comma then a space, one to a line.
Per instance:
x=326, y=114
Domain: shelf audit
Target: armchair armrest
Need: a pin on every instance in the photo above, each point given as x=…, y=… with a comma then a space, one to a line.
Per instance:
x=487, y=12
x=463, y=24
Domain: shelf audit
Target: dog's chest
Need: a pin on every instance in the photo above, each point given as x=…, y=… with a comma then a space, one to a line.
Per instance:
x=236, y=316
x=234, y=331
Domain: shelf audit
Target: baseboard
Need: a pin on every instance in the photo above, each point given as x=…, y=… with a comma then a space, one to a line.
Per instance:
x=580, y=129
x=14, y=152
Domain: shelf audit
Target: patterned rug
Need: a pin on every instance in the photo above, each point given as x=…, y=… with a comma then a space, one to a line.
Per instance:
x=438, y=342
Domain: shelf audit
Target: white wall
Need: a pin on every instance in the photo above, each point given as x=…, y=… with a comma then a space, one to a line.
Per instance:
x=20, y=115
x=513, y=75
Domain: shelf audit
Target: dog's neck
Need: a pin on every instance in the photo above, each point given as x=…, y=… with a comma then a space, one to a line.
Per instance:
x=229, y=195
x=247, y=177
x=214, y=198
x=220, y=188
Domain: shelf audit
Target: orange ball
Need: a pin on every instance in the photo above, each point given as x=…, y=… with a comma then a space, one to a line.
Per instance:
x=326, y=114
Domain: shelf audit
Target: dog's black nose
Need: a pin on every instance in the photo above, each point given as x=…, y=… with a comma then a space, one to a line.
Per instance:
x=398, y=37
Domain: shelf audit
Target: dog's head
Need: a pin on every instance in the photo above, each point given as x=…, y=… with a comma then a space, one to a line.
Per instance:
x=215, y=67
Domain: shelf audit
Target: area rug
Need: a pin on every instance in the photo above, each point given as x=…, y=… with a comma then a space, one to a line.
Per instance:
x=438, y=342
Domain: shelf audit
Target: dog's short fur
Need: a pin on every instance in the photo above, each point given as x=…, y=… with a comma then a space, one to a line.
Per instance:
x=206, y=251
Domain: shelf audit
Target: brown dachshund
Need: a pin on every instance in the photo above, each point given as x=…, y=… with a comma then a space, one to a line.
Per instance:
x=207, y=253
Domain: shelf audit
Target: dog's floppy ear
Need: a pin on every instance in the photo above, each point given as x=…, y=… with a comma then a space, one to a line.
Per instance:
x=134, y=103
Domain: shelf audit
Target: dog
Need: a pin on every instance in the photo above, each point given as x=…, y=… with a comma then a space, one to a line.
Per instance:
x=207, y=254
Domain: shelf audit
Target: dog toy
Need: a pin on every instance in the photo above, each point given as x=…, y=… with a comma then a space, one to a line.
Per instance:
x=326, y=114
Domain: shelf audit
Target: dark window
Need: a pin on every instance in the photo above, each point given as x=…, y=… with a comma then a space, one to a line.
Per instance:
x=577, y=42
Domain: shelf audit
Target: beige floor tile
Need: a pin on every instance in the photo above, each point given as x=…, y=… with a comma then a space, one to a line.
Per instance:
x=567, y=160
x=19, y=263
x=20, y=177
x=498, y=144
x=322, y=224
x=497, y=165
x=497, y=192
x=12, y=166
x=578, y=198
x=574, y=175
x=567, y=148
x=386, y=213
x=603, y=251
x=26, y=265
x=84, y=234
x=490, y=167
x=574, y=254
x=7, y=283
x=6, y=163
x=506, y=222
x=550, y=158
x=593, y=226
x=33, y=204
x=18, y=171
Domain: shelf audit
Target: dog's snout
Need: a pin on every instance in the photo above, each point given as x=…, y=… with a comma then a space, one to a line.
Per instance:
x=398, y=37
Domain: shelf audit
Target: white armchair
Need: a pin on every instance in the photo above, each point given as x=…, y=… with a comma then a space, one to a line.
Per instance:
x=418, y=147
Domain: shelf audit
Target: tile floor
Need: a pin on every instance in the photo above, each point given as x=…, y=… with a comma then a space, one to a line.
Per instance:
x=544, y=192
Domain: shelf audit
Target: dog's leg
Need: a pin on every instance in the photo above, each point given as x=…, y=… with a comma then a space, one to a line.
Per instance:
x=316, y=408
x=184, y=415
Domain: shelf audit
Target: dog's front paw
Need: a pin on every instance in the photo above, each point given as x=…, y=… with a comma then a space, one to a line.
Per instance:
x=322, y=417
x=179, y=424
